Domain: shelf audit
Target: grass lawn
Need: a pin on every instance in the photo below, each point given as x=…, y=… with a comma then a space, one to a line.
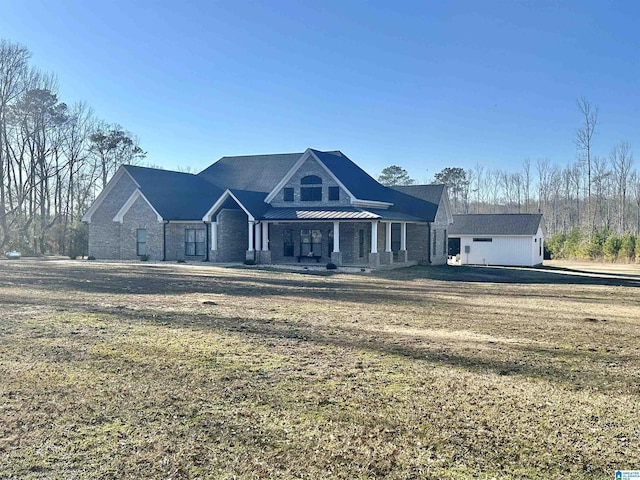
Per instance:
x=184, y=371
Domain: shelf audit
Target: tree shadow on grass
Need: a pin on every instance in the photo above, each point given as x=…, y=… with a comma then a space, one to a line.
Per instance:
x=550, y=364
x=513, y=275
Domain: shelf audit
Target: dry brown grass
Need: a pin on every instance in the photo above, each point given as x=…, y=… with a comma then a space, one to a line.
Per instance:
x=168, y=371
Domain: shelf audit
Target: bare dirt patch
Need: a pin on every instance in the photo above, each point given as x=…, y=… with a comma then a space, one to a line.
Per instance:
x=182, y=371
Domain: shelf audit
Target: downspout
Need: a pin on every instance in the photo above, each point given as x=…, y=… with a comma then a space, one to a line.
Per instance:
x=164, y=241
x=206, y=229
x=429, y=243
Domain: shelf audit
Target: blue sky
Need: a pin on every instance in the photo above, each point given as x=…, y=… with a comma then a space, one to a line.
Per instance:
x=425, y=85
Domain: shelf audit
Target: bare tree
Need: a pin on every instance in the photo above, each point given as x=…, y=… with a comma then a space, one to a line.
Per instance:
x=621, y=161
x=526, y=183
x=584, y=139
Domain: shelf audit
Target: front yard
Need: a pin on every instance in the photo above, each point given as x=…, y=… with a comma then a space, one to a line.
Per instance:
x=181, y=371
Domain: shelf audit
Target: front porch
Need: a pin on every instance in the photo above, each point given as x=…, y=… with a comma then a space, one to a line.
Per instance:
x=373, y=244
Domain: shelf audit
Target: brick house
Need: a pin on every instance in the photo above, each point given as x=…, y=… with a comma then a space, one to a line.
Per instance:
x=285, y=208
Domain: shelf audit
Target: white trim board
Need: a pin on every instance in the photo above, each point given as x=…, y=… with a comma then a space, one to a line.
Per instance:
x=129, y=203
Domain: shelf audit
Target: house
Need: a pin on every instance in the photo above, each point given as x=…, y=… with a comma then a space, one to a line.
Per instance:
x=497, y=239
x=313, y=206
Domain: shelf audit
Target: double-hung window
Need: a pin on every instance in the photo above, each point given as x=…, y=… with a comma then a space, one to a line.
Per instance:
x=141, y=241
x=194, y=242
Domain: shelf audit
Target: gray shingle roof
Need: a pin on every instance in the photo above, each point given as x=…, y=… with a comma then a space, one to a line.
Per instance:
x=175, y=195
x=355, y=179
x=428, y=193
x=183, y=196
x=495, y=224
x=257, y=173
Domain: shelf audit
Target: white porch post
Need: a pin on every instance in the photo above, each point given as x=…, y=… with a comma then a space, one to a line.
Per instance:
x=250, y=236
x=387, y=240
x=214, y=235
x=265, y=236
x=336, y=236
x=374, y=236
x=403, y=236
x=258, y=230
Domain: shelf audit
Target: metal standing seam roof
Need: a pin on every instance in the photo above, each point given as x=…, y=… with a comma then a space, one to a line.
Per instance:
x=344, y=213
x=511, y=224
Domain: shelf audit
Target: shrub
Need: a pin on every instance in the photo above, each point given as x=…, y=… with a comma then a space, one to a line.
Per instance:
x=181, y=260
x=627, y=247
x=555, y=245
x=331, y=266
x=73, y=257
x=91, y=257
x=249, y=261
x=572, y=244
x=611, y=247
x=594, y=247
x=144, y=258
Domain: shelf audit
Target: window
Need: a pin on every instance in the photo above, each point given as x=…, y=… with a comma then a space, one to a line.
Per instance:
x=334, y=193
x=311, y=243
x=435, y=240
x=483, y=239
x=361, y=243
x=141, y=241
x=311, y=180
x=311, y=194
x=287, y=240
x=540, y=248
x=194, y=242
x=330, y=237
x=288, y=194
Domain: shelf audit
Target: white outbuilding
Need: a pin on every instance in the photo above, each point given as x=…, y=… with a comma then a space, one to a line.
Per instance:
x=497, y=239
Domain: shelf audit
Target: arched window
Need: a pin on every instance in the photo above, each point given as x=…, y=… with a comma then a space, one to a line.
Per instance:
x=311, y=194
x=311, y=180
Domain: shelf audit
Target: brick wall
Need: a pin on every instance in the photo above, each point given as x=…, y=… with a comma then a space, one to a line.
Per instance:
x=104, y=233
x=233, y=236
x=141, y=216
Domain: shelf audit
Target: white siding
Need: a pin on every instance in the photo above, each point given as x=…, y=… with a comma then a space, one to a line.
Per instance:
x=506, y=250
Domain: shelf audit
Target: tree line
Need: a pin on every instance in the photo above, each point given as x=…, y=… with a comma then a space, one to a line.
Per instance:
x=591, y=198
x=54, y=158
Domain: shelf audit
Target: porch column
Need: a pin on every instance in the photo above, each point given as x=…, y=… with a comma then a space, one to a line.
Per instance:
x=403, y=257
x=336, y=255
x=387, y=240
x=250, y=249
x=214, y=236
x=265, y=236
x=258, y=229
x=403, y=236
x=374, y=236
x=374, y=257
